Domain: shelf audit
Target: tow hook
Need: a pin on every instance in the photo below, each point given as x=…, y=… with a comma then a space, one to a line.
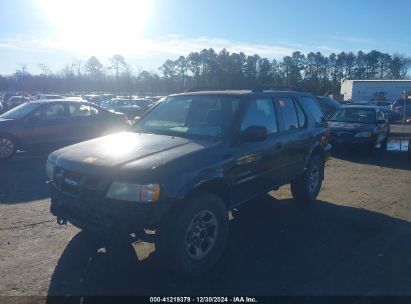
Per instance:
x=61, y=221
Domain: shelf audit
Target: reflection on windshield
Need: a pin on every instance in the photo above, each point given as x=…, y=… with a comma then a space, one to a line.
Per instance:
x=190, y=116
x=354, y=115
x=19, y=111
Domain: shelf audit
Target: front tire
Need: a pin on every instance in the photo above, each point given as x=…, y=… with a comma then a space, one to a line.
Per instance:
x=7, y=147
x=192, y=237
x=306, y=187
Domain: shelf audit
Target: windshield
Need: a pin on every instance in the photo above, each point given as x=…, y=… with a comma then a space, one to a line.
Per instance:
x=20, y=111
x=190, y=116
x=354, y=115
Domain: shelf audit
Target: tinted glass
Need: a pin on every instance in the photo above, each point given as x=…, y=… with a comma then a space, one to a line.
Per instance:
x=311, y=106
x=260, y=113
x=190, y=116
x=52, y=112
x=288, y=112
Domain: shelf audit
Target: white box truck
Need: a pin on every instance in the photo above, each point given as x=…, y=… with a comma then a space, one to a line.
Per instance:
x=366, y=90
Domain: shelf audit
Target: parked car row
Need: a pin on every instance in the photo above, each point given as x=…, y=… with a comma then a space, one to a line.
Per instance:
x=54, y=123
x=130, y=107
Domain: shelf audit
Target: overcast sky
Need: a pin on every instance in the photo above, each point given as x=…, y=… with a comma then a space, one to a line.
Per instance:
x=147, y=32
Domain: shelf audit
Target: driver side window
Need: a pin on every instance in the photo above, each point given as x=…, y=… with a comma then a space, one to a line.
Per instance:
x=260, y=113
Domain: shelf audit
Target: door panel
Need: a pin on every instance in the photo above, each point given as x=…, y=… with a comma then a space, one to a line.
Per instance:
x=294, y=123
x=86, y=121
x=258, y=165
x=48, y=125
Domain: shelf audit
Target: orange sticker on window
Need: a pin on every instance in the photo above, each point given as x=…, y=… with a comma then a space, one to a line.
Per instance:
x=282, y=103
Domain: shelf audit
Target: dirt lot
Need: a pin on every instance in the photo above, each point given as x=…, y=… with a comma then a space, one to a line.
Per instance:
x=356, y=240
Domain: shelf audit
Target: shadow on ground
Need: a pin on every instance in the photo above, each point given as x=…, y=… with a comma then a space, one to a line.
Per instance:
x=388, y=159
x=23, y=178
x=274, y=248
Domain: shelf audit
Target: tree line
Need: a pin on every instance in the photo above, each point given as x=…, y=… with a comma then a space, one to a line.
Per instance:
x=312, y=72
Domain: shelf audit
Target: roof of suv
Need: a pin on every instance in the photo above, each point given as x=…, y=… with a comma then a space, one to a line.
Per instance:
x=240, y=92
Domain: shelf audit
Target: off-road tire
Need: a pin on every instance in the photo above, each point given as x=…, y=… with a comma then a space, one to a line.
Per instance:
x=302, y=188
x=175, y=235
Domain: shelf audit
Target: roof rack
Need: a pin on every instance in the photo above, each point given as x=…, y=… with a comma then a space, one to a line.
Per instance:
x=197, y=89
x=276, y=88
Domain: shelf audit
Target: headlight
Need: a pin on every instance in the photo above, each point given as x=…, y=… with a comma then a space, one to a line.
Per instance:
x=134, y=192
x=149, y=192
x=49, y=170
x=363, y=134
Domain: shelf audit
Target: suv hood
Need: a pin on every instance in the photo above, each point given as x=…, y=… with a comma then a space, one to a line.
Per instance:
x=125, y=149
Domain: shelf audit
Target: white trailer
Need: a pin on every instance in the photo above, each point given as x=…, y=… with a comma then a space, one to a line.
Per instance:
x=364, y=90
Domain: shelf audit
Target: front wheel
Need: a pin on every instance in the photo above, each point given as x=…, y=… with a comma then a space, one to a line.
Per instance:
x=192, y=238
x=7, y=147
x=306, y=187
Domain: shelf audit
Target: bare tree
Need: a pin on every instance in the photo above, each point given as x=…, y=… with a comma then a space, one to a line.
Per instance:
x=117, y=62
x=22, y=69
x=44, y=69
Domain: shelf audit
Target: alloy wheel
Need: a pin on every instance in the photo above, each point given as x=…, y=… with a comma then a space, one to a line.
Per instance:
x=6, y=148
x=201, y=234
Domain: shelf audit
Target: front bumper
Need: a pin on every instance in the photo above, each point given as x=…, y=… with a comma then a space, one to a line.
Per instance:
x=348, y=139
x=101, y=215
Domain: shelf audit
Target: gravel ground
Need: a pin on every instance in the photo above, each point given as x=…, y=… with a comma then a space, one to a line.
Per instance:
x=356, y=240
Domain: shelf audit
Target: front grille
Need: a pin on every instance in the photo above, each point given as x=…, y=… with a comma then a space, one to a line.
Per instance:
x=78, y=185
x=342, y=135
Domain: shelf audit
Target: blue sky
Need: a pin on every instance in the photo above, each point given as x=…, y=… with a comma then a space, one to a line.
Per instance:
x=147, y=32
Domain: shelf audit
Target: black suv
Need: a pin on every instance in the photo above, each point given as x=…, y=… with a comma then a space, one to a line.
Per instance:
x=187, y=162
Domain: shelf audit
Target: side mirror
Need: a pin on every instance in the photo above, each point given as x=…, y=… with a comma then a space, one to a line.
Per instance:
x=135, y=120
x=254, y=133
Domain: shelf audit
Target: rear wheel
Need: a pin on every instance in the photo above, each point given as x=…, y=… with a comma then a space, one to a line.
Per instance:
x=306, y=187
x=192, y=238
x=7, y=147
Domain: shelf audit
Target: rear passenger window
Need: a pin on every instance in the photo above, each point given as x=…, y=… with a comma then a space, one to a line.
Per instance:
x=77, y=110
x=288, y=112
x=310, y=105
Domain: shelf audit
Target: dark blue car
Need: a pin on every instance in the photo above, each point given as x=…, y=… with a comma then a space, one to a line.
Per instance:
x=363, y=126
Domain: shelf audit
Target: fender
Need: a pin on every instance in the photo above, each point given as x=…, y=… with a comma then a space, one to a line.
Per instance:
x=207, y=178
x=315, y=147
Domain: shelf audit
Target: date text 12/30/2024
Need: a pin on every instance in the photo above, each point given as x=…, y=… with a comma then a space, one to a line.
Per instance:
x=203, y=300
